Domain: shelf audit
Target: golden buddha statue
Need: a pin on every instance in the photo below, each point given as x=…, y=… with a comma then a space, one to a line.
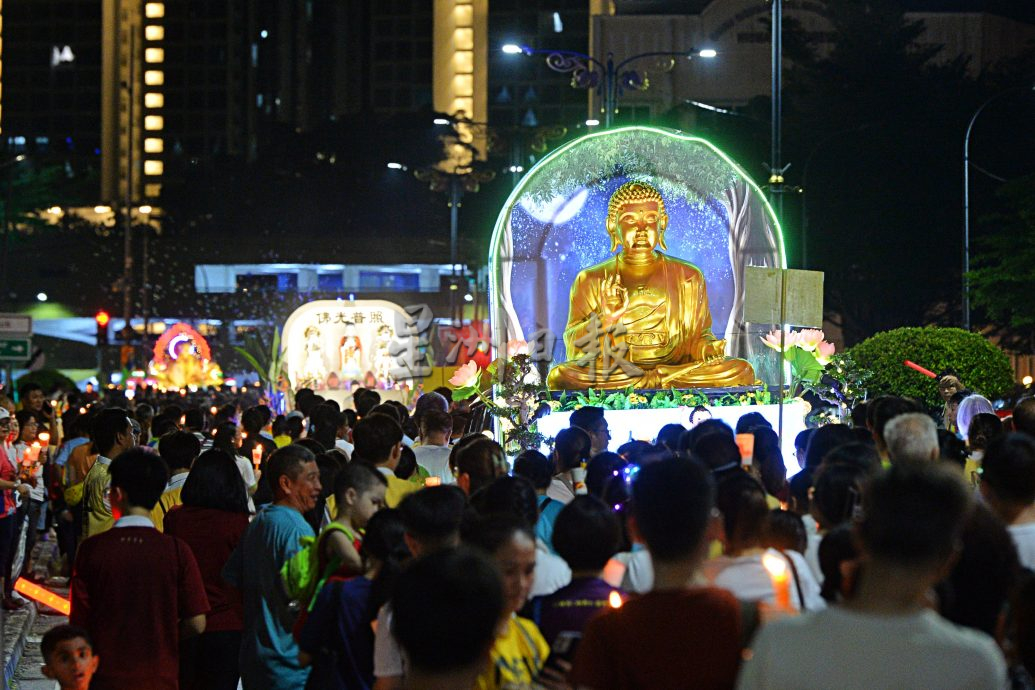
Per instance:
x=641, y=318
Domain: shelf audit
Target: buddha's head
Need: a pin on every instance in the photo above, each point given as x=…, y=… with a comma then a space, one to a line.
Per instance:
x=636, y=219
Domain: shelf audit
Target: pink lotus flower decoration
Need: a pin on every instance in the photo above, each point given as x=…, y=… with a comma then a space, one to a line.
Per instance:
x=790, y=339
x=824, y=351
x=516, y=347
x=466, y=376
x=810, y=338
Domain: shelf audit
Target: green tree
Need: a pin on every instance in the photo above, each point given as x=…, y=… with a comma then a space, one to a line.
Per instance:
x=1003, y=281
x=878, y=124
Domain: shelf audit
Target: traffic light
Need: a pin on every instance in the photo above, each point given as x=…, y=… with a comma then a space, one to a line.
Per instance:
x=102, y=320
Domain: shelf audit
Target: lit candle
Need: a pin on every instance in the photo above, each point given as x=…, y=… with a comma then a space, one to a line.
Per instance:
x=44, y=438
x=256, y=455
x=776, y=566
x=614, y=600
x=578, y=479
x=213, y=410
x=433, y=481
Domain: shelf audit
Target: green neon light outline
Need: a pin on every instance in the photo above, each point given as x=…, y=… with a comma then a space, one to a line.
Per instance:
x=516, y=193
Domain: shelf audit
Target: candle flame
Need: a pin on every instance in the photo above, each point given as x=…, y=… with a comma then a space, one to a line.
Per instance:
x=774, y=565
x=433, y=481
x=44, y=437
x=614, y=600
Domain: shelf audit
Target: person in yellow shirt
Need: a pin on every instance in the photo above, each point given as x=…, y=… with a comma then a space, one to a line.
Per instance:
x=519, y=652
x=112, y=434
x=378, y=439
x=179, y=449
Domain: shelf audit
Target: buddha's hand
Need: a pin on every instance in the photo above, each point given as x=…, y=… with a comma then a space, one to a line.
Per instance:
x=615, y=298
x=715, y=349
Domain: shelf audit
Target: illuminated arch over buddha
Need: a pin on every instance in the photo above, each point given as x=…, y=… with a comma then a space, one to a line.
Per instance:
x=623, y=253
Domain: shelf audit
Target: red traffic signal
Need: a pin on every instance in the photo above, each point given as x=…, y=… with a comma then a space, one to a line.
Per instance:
x=102, y=318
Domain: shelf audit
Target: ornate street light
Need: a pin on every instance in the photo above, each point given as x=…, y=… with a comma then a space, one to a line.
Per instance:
x=608, y=79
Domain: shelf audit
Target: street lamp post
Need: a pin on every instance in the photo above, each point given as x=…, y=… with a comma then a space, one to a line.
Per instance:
x=609, y=79
x=454, y=185
x=966, y=197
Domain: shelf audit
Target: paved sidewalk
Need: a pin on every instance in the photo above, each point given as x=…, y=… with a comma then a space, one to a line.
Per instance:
x=24, y=629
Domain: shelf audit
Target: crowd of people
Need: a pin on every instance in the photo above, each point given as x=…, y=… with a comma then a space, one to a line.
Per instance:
x=384, y=548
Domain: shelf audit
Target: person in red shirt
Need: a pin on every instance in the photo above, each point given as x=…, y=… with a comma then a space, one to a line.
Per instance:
x=676, y=636
x=212, y=520
x=138, y=592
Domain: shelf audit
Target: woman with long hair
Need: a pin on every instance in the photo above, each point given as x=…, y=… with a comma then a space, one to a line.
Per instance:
x=212, y=520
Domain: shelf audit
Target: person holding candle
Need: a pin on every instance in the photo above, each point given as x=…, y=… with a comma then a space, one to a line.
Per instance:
x=33, y=459
x=746, y=568
x=10, y=519
x=679, y=635
x=886, y=635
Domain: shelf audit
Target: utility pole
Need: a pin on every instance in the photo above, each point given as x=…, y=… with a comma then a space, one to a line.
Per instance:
x=776, y=156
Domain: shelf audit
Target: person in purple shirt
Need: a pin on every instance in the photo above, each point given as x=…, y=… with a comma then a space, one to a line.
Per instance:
x=586, y=534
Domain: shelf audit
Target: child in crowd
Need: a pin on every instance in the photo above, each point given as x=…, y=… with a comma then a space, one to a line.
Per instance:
x=338, y=636
x=68, y=657
x=519, y=652
x=359, y=492
x=586, y=536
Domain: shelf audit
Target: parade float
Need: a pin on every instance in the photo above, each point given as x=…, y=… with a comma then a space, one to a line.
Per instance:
x=336, y=346
x=182, y=359
x=618, y=277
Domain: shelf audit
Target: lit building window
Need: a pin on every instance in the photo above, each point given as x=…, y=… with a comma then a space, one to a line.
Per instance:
x=154, y=122
x=153, y=167
x=463, y=39
x=154, y=55
x=154, y=100
x=154, y=77
x=153, y=145
x=463, y=85
x=153, y=32
x=152, y=190
x=154, y=10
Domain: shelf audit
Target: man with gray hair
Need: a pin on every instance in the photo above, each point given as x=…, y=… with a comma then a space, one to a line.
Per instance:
x=912, y=437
